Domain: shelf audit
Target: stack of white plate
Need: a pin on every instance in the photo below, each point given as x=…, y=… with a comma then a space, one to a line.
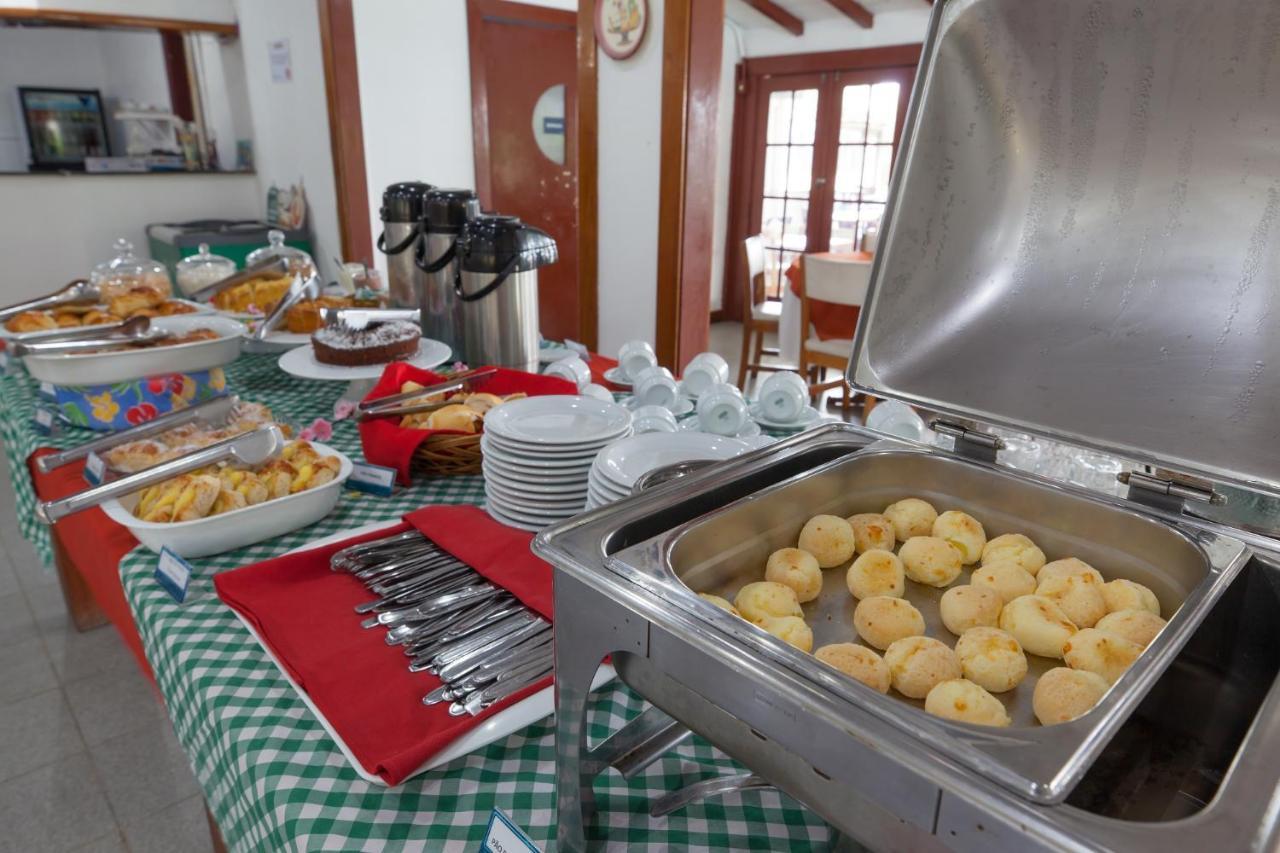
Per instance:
x=622, y=463
x=538, y=452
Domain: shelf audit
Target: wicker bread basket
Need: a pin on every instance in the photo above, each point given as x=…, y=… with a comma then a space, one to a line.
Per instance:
x=448, y=455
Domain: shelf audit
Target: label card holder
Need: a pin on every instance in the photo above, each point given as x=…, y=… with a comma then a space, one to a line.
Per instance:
x=174, y=574
x=47, y=391
x=372, y=479
x=503, y=836
x=94, y=469
x=44, y=421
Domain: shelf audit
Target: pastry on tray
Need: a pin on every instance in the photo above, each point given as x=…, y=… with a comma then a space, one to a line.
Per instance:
x=136, y=302
x=257, y=295
x=136, y=455
x=378, y=343
x=31, y=321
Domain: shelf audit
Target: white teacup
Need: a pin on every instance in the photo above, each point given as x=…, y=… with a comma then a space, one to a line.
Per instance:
x=598, y=392
x=653, y=419
x=706, y=369
x=571, y=368
x=655, y=386
x=783, y=397
x=634, y=357
x=722, y=410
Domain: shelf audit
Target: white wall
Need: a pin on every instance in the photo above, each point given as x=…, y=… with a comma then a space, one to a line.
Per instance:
x=724, y=158
x=905, y=26
x=291, y=119
x=217, y=11
x=54, y=228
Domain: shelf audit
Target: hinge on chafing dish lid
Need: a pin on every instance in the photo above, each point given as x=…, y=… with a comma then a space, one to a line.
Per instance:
x=1168, y=490
x=982, y=446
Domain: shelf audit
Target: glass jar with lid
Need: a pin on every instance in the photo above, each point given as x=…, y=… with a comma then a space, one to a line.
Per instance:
x=299, y=261
x=127, y=271
x=202, y=269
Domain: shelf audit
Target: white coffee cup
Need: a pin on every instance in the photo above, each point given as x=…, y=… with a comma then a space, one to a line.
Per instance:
x=722, y=410
x=635, y=356
x=655, y=386
x=653, y=419
x=706, y=369
x=598, y=392
x=783, y=397
x=571, y=368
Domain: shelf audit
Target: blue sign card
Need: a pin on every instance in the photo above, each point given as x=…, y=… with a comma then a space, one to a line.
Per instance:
x=94, y=468
x=44, y=421
x=503, y=836
x=4, y=362
x=373, y=479
x=174, y=574
x=47, y=391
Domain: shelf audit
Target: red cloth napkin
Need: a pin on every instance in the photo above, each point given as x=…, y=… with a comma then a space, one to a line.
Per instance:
x=830, y=321
x=304, y=612
x=387, y=443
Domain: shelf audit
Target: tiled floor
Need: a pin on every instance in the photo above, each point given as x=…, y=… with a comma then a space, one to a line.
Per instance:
x=88, y=759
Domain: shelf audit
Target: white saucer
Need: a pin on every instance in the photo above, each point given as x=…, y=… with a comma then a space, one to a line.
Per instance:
x=551, y=501
x=601, y=483
x=301, y=362
x=626, y=461
x=751, y=429
x=507, y=521
x=617, y=377
x=682, y=407
x=530, y=516
x=549, y=477
x=808, y=417
x=550, y=451
x=558, y=420
x=532, y=491
x=558, y=465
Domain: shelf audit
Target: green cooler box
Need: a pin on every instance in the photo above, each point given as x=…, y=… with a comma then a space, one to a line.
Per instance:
x=172, y=241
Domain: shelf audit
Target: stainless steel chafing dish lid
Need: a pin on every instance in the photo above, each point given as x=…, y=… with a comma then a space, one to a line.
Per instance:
x=1082, y=238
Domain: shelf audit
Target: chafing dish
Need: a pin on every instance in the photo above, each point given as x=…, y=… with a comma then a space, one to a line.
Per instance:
x=1057, y=259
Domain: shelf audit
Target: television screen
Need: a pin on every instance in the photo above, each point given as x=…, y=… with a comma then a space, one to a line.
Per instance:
x=64, y=126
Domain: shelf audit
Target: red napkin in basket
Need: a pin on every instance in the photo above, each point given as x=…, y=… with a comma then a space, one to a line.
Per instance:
x=305, y=613
x=385, y=442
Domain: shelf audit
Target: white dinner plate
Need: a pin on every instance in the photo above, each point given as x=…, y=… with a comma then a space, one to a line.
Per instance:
x=500, y=517
x=558, y=420
x=533, y=514
x=561, y=465
x=617, y=377
x=603, y=482
x=549, y=451
x=552, y=503
x=527, y=478
x=601, y=497
x=682, y=406
x=808, y=417
x=749, y=430
x=301, y=362
x=626, y=461
x=522, y=489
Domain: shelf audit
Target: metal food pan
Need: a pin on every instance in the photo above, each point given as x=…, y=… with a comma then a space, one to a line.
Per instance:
x=1187, y=570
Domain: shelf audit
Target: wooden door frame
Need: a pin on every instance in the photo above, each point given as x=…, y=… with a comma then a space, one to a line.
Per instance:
x=747, y=126
x=346, y=132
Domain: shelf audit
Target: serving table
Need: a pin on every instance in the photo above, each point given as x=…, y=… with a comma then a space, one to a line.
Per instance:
x=271, y=775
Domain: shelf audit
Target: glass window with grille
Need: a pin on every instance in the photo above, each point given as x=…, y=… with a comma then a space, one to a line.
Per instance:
x=864, y=158
x=791, y=131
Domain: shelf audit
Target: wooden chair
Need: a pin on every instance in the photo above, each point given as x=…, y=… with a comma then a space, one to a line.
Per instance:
x=843, y=282
x=760, y=316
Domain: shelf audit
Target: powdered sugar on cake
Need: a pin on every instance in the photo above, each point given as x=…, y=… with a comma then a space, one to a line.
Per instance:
x=380, y=334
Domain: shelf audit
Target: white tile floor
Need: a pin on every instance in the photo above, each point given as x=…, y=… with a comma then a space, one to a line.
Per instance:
x=88, y=759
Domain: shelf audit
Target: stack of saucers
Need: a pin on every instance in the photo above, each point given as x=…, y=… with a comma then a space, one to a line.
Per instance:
x=538, y=452
x=622, y=463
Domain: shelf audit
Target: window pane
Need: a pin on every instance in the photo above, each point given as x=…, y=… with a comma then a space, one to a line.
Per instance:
x=884, y=112
x=804, y=122
x=775, y=170
x=875, y=175
x=779, y=116
x=795, y=226
x=849, y=173
x=800, y=171
x=844, y=226
x=773, y=274
x=868, y=214
x=771, y=221
x=853, y=113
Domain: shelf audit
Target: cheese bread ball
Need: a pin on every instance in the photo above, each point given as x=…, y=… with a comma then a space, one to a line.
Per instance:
x=1037, y=623
x=911, y=517
x=796, y=569
x=765, y=600
x=918, y=664
x=1136, y=626
x=1008, y=580
x=857, y=662
x=1079, y=596
x=872, y=531
x=1013, y=548
x=876, y=573
x=965, y=607
x=1069, y=566
x=1109, y=655
x=791, y=630
x=882, y=620
x=829, y=538
x=722, y=603
x=963, y=531
x=1063, y=694
x=1122, y=594
x=992, y=659
x=930, y=560
x=961, y=700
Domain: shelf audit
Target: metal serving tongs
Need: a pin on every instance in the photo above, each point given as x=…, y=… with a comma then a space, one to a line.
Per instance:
x=391, y=405
x=275, y=265
x=211, y=413
x=132, y=331
x=299, y=290
x=78, y=292
x=360, y=318
x=250, y=448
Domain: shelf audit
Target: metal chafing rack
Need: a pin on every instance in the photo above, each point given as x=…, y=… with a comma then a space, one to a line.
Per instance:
x=1056, y=258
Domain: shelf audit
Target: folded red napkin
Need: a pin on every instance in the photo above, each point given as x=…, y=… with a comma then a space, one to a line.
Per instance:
x=385, y=442
x=305, y=614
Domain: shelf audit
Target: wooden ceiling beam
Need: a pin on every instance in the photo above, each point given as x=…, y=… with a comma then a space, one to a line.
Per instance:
x=855, y=11
x=778, y=15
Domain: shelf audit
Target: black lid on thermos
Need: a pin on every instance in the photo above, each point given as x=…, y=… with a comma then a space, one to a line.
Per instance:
x=404, y=202
x=448, y=211
x=493, y=243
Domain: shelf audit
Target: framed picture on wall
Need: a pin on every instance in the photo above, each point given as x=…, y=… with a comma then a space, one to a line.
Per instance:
x=620, y=26
x=64, y=126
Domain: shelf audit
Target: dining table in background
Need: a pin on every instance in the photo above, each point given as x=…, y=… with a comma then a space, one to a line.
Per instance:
x=830, y=321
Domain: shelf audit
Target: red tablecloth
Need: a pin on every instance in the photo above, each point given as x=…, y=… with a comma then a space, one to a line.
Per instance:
x=95, y=545
x=830, y=321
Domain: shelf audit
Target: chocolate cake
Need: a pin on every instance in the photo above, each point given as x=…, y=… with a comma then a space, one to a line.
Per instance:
x=376, y=344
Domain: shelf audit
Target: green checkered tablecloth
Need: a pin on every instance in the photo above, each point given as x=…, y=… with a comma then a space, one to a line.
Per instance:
x=271, y=774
